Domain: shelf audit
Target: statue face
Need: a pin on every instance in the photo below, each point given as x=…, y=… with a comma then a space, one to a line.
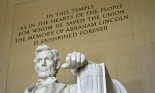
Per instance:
x=44, y=64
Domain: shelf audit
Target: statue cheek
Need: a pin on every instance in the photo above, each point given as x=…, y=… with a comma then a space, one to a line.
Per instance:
x=37, y=69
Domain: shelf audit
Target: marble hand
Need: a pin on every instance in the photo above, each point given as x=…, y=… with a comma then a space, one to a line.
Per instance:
x=74, y=60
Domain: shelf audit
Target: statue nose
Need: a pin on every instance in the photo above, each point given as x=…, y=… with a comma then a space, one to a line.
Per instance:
x=44, y=63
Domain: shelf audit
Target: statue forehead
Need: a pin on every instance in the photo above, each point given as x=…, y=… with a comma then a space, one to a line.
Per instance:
x=45, y=53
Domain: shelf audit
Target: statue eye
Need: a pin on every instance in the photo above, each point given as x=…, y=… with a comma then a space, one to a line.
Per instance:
x=38, y=60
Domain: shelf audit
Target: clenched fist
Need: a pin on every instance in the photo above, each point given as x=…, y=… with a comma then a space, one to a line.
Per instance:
x=74, y=60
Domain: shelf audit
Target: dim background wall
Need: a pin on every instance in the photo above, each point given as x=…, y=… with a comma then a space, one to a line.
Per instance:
x=142, y=17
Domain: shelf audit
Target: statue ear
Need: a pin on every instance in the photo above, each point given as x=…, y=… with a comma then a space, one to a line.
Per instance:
x=58, y=65
x=57, y=61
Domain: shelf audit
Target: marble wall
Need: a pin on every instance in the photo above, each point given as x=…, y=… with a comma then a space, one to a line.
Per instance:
x=125, y=43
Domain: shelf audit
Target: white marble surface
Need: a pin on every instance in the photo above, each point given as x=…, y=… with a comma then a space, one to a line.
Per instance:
x=91, y=77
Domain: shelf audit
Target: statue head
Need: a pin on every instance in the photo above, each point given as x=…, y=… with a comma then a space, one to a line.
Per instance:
x=47, y=61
